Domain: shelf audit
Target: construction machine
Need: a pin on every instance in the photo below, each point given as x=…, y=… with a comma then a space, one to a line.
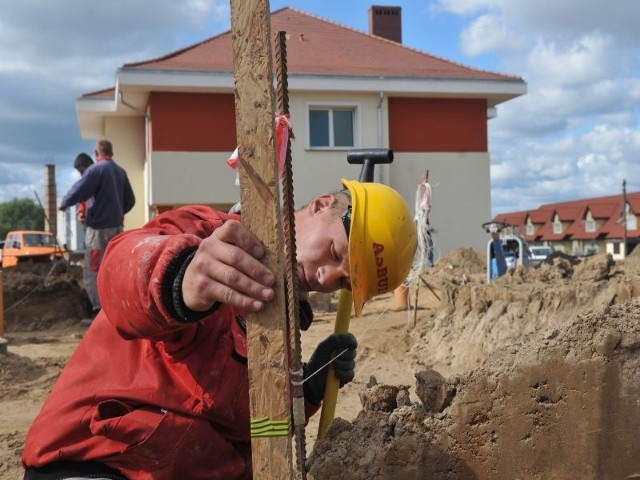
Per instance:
x=506, y=250
x=30, y=246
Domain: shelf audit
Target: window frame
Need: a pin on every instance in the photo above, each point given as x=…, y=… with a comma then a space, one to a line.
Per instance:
x=589, y=226
x=356, y=110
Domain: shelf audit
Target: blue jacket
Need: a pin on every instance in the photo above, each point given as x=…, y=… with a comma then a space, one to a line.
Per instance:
x=106, y=189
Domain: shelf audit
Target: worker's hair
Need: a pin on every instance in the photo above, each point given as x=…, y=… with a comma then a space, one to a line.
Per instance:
x=104, y=148
x=82, y=161
x=343, y=198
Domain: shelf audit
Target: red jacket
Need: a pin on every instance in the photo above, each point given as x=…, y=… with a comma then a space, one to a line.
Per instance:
x=146, y=393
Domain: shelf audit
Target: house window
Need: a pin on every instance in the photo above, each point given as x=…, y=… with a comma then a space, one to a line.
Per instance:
x=529, y=229
x=590, y=226
x=616, y=248
x=632, y=222
x=331, y=127
x=557, y=227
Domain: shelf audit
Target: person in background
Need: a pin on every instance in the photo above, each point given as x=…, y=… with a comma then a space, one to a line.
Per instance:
x=158, y=387
x=81, y=163
x=108, y=195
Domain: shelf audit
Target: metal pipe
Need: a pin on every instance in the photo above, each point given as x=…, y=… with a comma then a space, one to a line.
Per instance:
x=381, y=171
x=147, y=152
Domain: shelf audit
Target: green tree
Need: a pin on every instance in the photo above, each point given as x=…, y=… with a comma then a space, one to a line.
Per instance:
x=20, y=214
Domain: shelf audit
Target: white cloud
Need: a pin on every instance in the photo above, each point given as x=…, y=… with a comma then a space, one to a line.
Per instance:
x=487, y=34
x=463, y=7
x=574, y=64
x=576, y=132
x=53, y=52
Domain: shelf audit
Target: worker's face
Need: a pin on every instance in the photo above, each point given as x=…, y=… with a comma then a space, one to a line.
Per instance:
x=321, y=247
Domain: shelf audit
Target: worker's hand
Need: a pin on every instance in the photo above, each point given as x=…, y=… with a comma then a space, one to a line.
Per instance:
x=226, y=269
x=342, y=346
x=80, y=216
x=62, y=209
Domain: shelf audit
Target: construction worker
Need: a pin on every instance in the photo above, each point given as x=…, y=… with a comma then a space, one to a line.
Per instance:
x=158, y=387
x=108, y=193
x=81, y=163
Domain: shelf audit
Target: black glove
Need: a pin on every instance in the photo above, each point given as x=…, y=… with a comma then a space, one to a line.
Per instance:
x=306, y=314
x=343, y=347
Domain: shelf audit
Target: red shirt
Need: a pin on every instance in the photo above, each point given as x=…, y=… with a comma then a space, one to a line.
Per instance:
x=144, y=392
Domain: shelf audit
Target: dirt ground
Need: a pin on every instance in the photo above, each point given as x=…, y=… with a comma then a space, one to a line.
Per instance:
x=533, y=376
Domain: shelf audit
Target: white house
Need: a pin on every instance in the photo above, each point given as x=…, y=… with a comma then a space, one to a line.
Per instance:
x=172, y=120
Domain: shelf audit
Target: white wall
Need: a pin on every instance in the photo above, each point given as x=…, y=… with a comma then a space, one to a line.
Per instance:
x=127, y=134
x=181, y=178
x=460, y=181
x=461, y=200
x=70, y=232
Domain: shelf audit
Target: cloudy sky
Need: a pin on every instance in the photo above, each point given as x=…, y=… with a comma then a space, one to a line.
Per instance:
x=576, y=133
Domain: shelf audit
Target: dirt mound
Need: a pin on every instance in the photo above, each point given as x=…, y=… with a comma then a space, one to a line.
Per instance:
x=534, y=375
x=463, y=260
x=477, y=317
x=43, y=296
x=559, y=406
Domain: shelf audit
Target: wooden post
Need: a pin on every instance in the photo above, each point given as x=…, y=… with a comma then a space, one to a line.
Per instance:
x=269, y=385
x=1, y=304
x=401, y=297
x=3, y=341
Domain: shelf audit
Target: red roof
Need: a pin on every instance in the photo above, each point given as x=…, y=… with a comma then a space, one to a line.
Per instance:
x=542, y=215
x=604, y=210
x=568, y=213
x=608, y=210
x=322, y=47
x=516, y=219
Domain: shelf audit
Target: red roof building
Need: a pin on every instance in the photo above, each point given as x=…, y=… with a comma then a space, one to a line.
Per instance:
x=582, y=227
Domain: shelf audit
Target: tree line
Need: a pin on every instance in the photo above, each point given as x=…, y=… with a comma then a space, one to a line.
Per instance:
x=20, y=214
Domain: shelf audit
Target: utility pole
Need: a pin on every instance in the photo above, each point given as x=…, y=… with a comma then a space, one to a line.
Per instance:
x=624, y=217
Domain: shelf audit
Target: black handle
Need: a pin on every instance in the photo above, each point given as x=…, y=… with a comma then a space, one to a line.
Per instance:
x=368, y=158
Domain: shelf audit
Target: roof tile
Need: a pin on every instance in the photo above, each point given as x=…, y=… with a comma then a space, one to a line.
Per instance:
x=322, y=47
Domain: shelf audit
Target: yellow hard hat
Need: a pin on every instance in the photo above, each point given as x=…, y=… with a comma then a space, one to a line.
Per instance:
x=382, y=240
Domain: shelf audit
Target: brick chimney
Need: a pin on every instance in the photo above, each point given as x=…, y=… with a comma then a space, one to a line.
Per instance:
x=386, y=22
x=50, y=210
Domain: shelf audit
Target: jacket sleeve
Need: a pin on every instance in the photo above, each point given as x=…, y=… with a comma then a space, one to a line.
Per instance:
x=80, y=191
x=137, y=273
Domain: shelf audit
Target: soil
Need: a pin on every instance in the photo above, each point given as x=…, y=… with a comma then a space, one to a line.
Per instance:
x=535, y=375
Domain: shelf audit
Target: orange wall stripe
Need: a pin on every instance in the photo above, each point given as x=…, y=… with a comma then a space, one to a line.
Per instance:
x=437, y=125
x=192, y=122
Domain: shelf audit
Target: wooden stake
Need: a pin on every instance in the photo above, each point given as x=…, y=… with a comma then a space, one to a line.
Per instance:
x=269, y=385
x=1, y=305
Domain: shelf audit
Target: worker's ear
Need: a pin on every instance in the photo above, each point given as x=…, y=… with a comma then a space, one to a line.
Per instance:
x=321, y=203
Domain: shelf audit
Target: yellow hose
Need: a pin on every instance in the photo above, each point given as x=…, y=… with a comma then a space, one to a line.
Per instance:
x=333, y=384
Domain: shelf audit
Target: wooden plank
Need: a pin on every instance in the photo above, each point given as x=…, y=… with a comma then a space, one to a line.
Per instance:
x=1, y=304
x=269, y=386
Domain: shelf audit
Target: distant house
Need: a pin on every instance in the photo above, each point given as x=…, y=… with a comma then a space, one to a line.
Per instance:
x=582, y=227
x=172, y=120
